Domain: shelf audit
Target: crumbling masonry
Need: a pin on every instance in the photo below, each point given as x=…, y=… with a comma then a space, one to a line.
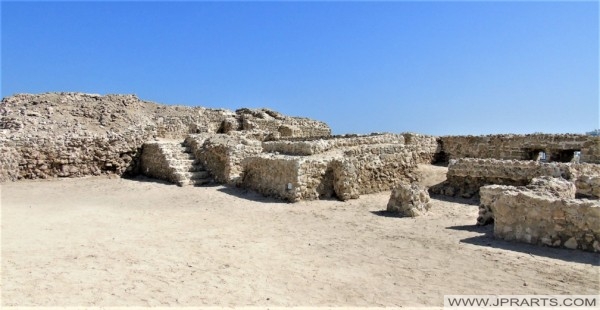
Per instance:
x=292, y=158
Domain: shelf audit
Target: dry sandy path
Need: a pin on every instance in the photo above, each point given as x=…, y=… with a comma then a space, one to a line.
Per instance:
x=117, y=242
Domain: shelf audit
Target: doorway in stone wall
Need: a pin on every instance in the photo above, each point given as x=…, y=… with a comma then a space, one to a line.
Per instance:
x=538, y=155
x=566, y=156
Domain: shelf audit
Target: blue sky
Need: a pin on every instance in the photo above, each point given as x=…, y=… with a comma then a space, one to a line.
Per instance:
x=471, y=67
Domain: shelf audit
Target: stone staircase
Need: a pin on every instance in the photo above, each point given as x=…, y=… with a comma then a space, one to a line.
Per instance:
x=187, y=170
x=183, y=166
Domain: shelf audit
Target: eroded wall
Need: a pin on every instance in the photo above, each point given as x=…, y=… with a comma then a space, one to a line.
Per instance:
x=222, y=154
x=359, y=170
x=558, y=148
x=530, y=217
x=75, y=134
x=465, y=176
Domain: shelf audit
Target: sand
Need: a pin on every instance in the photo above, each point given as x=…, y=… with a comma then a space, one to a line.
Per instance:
x=117, y=242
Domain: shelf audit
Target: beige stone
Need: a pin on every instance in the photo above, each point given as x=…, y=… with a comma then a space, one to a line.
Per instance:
x=409, y=200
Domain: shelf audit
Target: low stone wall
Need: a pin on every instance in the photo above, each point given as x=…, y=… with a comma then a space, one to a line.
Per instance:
x=380, y=167
x=465, y=176
x=70, y=156
x=425, y=146
x=522, y=147
x=361, y=170
x=222, y=154
x=154, y=162
x=312, y=147
x=548, y=186
x=587, y=179
x=273, y=175
x=530, y=217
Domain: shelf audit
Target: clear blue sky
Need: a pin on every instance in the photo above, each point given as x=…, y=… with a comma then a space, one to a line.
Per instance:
x=430, y=67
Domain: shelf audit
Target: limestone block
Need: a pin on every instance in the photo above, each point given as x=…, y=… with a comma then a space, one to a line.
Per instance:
x=409, y=200
x=556, y=187
x=488, y=195
x=344, y=179
x=526, y=216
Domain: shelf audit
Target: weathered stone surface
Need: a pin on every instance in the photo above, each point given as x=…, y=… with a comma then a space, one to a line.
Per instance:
x=173, y=161
x=465, y=176
x=345, y=173
x=74, y=134
x=523, y=215
x=559, y=148
x=409, y=200
x=546, y=186
x=274, y=175
x=222, y=154
x=555, y=187
x=425, y=146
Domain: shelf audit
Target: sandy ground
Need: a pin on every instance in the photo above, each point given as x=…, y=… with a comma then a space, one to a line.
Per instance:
x=117, y=242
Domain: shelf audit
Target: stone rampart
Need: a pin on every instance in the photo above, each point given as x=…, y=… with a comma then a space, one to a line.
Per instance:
x=531, y=217
x=74, y=134
x=558, y=148
x=465, y=176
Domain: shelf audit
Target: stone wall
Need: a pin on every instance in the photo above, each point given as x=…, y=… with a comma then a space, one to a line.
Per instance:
x=273, y=175
x=154, y=162
x=360, y=170
x=558, y=148
x=380, y=167
x=38, y=157
x=222, y=154
x=465, y=176
x=426, y=146
x=530, y=217
x=548, y=186
x=74, y=134
x=312, y=147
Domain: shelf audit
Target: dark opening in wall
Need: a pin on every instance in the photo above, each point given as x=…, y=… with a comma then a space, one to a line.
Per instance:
x=440, y=159
x=538, y=155
x=565, y=156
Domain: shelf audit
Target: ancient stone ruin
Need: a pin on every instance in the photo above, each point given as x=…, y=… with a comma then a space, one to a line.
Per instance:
x=409, y=200
x=292, y=158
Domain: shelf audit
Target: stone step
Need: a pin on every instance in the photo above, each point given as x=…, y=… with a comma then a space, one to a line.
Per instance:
x=193, y=175
x=189, y=168
x=183, y=156
x=195, y=182
x=182, y=162
x=178, y=149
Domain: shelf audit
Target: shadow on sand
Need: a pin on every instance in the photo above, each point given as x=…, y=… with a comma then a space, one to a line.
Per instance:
x=247, y=194
x=467, y=201
x=144, y=179
x=487, y=240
